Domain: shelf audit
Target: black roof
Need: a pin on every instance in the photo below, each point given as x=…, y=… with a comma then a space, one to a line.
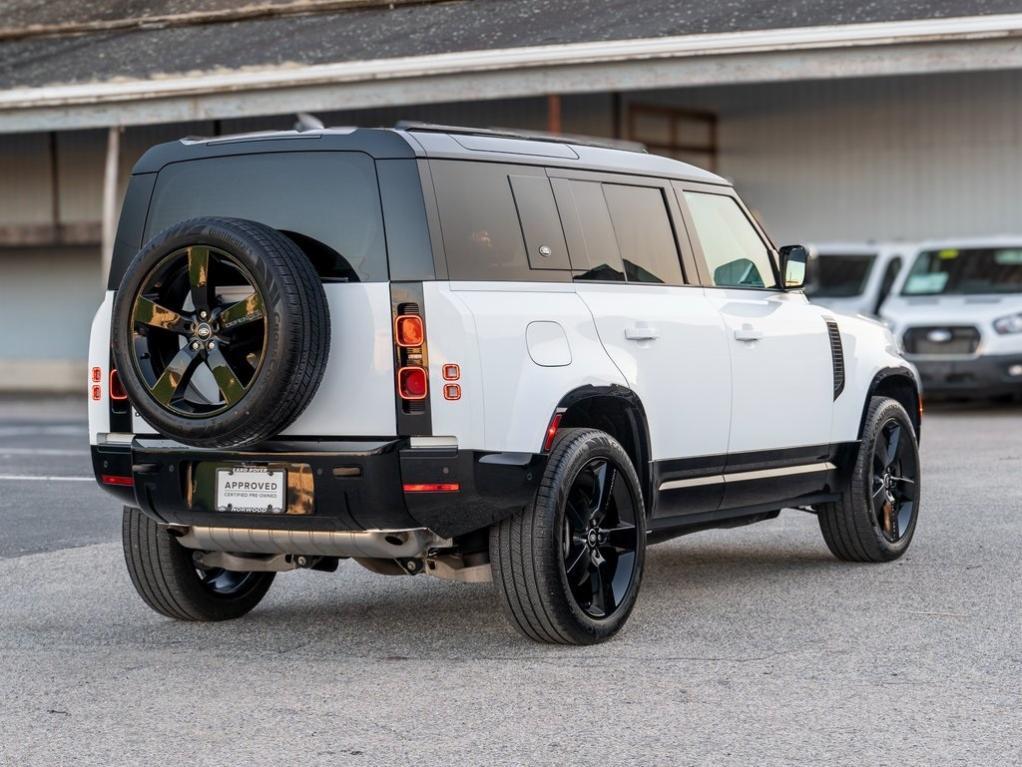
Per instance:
x=107, y=40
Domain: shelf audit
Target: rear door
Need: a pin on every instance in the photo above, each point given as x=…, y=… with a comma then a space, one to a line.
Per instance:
x=782, y=369
x=666, y=338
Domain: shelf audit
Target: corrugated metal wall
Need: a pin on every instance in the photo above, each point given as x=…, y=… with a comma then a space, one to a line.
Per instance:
x=904, y=158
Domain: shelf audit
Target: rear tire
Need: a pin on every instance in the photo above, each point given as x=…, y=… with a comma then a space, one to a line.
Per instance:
x=876, y=517
x=568, y=567
x=166, y=577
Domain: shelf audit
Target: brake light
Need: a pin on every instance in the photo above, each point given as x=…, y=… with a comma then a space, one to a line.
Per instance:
x=435, y=487
x=117, y=392
x=551, y=432
x=412, y=383
x=97, y=375
x=97, y=392
x=408, y=330
x=116, y=479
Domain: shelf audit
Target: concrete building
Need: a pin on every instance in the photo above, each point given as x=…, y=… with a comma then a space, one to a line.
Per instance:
x=837, y=121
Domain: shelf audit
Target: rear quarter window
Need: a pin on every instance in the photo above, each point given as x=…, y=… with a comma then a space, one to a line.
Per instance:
x=499, y=222
x=327, y=201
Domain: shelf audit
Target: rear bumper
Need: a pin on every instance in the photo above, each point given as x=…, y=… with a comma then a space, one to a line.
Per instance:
x=355, y=484
x=982, y=376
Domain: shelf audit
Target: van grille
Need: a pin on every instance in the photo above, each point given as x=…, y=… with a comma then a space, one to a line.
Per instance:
x=941, y=339
x=837, y=357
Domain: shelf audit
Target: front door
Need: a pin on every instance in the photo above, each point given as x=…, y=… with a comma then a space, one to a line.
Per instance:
x=782, y=369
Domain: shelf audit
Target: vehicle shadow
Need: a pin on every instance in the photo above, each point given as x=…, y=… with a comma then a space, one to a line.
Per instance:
x=356, y=613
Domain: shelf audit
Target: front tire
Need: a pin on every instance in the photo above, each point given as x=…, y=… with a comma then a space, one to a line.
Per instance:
x=568, y=567
x=876, y=517
x=166, y=577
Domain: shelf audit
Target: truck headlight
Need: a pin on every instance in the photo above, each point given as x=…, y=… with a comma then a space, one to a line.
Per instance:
x=1008, y=325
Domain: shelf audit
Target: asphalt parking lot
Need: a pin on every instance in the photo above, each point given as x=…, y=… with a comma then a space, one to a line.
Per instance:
x=748, y=646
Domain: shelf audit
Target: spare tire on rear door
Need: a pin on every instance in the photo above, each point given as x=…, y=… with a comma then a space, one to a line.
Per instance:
x=220, y=332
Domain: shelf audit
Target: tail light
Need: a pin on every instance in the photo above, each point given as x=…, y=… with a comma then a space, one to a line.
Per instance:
x=408, y=330
x=412, y=383
x=117, y=392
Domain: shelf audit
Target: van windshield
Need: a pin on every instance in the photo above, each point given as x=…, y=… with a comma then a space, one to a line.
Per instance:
x=839, y=275
x=954, y=271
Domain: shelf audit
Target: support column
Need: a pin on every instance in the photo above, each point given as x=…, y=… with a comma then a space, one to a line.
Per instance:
x=110, y=208
x=553, y=113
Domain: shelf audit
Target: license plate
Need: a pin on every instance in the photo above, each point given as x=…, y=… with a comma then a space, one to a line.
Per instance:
x=254, y=490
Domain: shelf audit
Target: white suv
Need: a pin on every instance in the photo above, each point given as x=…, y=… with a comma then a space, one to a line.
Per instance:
x=854, y=278
x=958, y=314
x=472, y=355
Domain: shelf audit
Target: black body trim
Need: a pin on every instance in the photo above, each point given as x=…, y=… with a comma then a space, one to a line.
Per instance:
x=414, y=417
x=837, y=357
x=357, y=484
x=702, y=505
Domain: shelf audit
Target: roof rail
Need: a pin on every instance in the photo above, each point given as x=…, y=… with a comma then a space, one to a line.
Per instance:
x=528, y=135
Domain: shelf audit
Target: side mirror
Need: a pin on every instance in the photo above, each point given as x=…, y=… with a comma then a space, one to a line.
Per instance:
x=794, y=259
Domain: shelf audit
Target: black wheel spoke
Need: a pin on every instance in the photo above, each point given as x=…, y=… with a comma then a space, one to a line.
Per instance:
x=242, y=312
x=198, y=277
x=226, y=379
x=605, y=476
x=621, y=538
x=149, y=313
x=599, y=597
x=893, y=443
x=578, y=568
x=175, y=375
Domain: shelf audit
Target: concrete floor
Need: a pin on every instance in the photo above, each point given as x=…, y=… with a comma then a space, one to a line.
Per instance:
x=748, y=646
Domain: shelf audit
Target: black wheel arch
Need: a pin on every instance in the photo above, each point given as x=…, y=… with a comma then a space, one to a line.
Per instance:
x=618, y=411
x=900, y=384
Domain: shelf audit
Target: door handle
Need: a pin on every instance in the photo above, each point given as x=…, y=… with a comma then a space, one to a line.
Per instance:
x=642, y=332
x=748, y=333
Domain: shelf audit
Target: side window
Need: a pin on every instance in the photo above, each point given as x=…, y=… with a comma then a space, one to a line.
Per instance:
x=590, y=233
x=485, y=228
x=643, y=232
x=735, y=254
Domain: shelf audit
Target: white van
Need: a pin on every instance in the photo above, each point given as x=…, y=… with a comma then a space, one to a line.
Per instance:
x=957, y=311
x=854, y=278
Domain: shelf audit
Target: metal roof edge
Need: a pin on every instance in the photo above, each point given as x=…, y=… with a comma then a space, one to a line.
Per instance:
x=972, y=28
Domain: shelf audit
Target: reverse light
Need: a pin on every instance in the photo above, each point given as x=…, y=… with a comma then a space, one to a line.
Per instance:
x=551, y=432
x=408, y=330
x=1008, y=325
x=412, y=383
x=117, y=392
x=433, y=487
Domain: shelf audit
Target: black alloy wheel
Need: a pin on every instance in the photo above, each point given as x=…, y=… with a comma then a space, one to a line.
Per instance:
x=198, y=331
x=568, y=567
x=875, y=517
x=599, y=538
x=894, y=477
x=220, y=332
x=222, y=582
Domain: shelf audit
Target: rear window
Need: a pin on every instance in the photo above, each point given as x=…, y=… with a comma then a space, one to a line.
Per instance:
x=954, y=271
x=840, y=276
x=327, y=201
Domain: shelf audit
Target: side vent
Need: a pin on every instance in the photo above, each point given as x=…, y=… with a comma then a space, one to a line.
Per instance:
x=837, y=357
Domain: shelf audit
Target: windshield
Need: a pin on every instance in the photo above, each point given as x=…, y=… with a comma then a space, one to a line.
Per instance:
x=840, y=276
x=965, y=272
